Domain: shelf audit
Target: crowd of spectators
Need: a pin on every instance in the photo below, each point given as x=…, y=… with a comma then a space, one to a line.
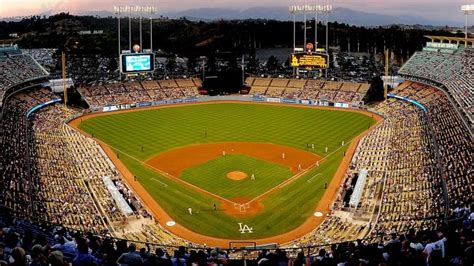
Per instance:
x=26, y=245
x=64, y=162
x=16, y=182
x=403, y=181
x=454, y=141
x=332, y=91
x=135, y=92
x=448, y=68
x=412, y=191
x=356, y=67
x=46, y=57
x=23, y=244
x=16, y=68
x=92, y=68
x=53, y=174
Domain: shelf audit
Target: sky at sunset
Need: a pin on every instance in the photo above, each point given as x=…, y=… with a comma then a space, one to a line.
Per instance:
x=449, y=9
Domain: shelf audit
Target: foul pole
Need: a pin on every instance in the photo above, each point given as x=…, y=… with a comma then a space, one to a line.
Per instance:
x=385, y=86
x=63, y=64
x=140, y=22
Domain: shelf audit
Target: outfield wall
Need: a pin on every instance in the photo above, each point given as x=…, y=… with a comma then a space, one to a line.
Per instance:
x=246, y=98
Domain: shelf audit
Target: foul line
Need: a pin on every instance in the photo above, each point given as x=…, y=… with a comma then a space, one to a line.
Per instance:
x=165, y=185
x=297, y=176
x=168, y=175
x=309, y=180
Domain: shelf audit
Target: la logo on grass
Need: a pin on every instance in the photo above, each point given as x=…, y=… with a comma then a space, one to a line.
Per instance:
x=245, y=228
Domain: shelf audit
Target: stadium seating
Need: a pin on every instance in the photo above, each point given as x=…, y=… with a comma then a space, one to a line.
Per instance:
x=24, y=241
x=332, y=91
x=91, y=68
x=44, y=56
x=18, y=68
x=15, y=180
x=135, y=92
x=455, y=143
x=454, y=71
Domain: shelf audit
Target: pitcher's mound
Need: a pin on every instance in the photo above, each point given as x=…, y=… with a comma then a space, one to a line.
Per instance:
x=236, y=175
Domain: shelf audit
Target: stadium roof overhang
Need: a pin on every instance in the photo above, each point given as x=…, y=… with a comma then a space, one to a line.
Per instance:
x=457, y=40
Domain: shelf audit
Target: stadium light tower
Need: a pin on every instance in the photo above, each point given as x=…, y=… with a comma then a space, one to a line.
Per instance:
x=311, y=9
x=468, y=10
x=141, y=10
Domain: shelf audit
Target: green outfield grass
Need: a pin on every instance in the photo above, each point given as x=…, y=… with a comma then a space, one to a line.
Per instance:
x=163, y=129
x=211, y=176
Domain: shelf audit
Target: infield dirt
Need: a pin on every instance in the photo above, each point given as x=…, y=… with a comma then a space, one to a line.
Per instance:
x=175, y=161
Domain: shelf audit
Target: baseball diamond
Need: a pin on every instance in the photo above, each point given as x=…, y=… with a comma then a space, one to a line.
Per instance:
x=189, y=149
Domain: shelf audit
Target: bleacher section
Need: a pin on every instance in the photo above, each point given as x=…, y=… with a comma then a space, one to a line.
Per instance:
x=332, y=91
x=17, y=68
x=451, y=69
x=456, y=144
x=135, y=92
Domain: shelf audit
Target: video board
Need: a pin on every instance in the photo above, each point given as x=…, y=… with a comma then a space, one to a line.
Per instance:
x=309, y=60
x=136, y=63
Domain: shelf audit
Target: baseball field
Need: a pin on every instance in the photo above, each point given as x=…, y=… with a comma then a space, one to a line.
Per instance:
x=213, y=168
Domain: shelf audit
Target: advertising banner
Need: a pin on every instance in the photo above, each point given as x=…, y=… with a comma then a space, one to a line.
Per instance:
x=190, y=100
x=289, y=100
x=258, y=98
x=273, y=100
x=144, y=104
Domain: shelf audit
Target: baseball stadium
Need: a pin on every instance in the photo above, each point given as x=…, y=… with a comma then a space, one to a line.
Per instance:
x=292, y=167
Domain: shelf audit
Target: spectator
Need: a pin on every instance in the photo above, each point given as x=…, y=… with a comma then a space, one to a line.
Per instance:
x=19, y=257
x=131, y=257
x=67, y=247
x=83, y=257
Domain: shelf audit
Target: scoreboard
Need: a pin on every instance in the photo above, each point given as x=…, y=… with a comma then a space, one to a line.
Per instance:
x=309, y=60
x=136, y=63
